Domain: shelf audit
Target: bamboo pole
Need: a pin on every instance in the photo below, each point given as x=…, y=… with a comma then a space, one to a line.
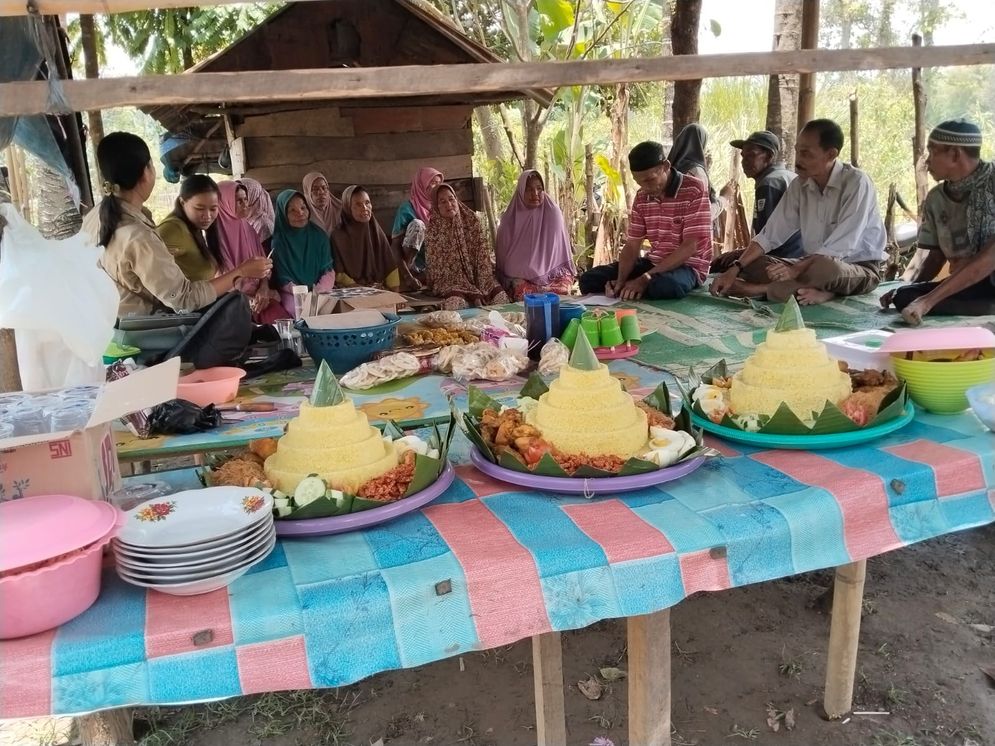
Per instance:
x=258, y=86
x=854, y=132
x=806, y=81
x=919, y=138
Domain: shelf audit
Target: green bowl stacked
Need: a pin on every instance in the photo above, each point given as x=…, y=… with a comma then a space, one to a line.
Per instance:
x=941, y=387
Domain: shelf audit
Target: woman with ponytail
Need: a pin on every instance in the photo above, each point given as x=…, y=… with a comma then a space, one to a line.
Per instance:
x=147, y=277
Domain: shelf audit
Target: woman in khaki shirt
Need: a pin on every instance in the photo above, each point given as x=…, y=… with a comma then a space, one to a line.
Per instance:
x=141, y=266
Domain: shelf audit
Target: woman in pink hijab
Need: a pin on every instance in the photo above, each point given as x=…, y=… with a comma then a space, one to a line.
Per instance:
x=407, y=238
x=239, y=243
x=326, y=208
x=533, y=251
x=258, y=210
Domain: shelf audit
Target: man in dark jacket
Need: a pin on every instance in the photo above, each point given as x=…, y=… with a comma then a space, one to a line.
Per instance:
x=762, y=163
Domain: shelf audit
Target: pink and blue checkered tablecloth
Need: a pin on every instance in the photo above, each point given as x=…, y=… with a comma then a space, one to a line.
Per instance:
x=329, y=611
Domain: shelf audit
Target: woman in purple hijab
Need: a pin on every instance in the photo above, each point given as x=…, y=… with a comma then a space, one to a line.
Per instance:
x=533, y=250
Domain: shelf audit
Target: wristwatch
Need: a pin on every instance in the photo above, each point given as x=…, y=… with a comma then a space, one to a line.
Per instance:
x=738, y=265
x=648, y=276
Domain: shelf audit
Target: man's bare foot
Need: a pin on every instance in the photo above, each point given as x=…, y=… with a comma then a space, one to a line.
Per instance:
x=743, y=289
x=912, y=315
x=813, y=297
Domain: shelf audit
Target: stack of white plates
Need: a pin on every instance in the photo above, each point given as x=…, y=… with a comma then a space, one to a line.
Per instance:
x=197, y=541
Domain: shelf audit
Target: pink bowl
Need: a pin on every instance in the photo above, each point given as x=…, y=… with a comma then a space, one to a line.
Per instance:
x=41, y=599
x=210, y=386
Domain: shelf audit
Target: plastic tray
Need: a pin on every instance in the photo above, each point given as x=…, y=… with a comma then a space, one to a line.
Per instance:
x=807, y=442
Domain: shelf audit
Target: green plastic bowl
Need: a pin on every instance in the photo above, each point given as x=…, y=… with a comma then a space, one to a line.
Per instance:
x=941, y=387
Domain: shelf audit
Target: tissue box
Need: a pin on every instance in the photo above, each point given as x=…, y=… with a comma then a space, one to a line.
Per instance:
x=861, y=350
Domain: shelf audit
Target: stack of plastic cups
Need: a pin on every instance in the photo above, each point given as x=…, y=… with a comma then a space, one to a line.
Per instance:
x=630, y=329
x=569, y=336
x=28, y=418
x=589, y=325
x=611, y=334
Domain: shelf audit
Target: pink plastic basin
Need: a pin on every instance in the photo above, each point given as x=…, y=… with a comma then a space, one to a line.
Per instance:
x=34, y=601
x=210, y=386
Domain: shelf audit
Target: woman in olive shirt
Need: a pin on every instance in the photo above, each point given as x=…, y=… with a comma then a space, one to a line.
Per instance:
x=190, y=231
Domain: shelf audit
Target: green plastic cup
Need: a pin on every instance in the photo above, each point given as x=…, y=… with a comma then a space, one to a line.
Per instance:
x=611, y=334
x=589, y=323
x=569, y=336
x=630, y=329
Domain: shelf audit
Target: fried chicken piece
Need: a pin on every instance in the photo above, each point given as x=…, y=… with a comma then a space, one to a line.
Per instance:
x=391, y=486
x=572, y=462
x=864, y=379
x=655, y=417
x=263, y=448
x=239, y=472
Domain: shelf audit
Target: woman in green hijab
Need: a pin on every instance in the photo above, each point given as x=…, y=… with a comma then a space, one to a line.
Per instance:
x=302, y=253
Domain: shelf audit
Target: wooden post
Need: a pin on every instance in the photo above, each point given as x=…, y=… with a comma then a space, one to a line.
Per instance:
x=649, y=679
x=919, y=138
x=844, y=634
x=854, y=132
x=547, y=668
x=107, y=728
x=806, y=81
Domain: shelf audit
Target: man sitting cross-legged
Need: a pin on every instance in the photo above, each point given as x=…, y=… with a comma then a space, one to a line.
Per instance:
x=834, y=205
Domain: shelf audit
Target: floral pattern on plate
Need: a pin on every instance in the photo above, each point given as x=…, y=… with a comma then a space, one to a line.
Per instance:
x=156, y=511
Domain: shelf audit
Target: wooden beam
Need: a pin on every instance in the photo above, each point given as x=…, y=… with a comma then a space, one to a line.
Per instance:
x=649, y=679
x=65, y=7
x=377, y=82
x=844, y=634
x=547, y=671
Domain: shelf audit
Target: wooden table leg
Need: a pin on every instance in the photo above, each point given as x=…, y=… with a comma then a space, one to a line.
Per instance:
x=844, y=634
x=107, y=728
x=547, y=667
x=649, y=679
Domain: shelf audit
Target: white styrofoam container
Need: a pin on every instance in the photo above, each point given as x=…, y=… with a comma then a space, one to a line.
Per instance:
x=861, y=350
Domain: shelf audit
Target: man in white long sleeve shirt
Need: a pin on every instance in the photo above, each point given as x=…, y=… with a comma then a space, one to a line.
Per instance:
x=834, y=205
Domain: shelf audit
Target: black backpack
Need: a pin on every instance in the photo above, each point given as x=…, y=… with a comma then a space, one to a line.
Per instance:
x=221, y=336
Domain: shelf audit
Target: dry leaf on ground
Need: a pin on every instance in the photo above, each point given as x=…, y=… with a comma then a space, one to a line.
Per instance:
x=612, y=674
x=591, y=688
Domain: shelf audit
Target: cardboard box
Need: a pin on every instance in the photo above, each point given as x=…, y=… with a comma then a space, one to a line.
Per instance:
x=83, y=463
x=362, y=299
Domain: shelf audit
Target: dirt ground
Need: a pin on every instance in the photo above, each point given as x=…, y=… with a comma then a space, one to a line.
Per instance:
x=744, y=661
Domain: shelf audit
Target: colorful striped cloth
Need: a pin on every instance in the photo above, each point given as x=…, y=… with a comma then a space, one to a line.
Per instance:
x=487, y=564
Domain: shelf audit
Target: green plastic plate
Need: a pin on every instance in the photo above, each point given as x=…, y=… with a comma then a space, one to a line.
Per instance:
x=807, y=442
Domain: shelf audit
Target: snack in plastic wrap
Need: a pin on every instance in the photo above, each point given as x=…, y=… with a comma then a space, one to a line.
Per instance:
x=442, y=319
x=553, y=356
x=438, y=336
x=481, y=361
x=389, y=368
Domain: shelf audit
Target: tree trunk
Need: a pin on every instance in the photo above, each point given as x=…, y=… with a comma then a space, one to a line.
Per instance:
x=782, y=100
x=684, y=40
x=667, y=50
x=806, y=81
x=532, y=127
x=919, y=138
x=91, y=66
x=493, y=144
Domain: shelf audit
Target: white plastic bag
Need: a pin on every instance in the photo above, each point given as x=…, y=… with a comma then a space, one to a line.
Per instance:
x=61, y=305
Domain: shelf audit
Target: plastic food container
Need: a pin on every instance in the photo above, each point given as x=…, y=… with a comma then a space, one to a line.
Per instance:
x=982, y=401
x=861, y=350
x=210, y=386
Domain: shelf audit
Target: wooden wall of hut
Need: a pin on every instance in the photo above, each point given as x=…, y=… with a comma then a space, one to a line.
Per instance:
x=378, y=147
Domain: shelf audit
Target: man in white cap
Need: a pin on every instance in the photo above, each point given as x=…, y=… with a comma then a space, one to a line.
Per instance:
x=958, y=226
x=761, y=162
x=834, y=206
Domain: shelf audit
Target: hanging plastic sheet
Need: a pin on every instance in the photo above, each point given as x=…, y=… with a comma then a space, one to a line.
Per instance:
x=24, y=45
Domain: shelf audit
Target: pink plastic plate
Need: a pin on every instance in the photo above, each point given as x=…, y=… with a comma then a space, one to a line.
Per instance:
x=36, y=529
x=341, y=523
x=621, y=352
x=950, y=338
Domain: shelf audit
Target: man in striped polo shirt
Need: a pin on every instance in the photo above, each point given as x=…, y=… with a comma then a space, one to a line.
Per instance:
x=671, y=211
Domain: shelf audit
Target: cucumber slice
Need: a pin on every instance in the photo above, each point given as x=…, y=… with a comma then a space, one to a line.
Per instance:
x=281, y=502
x=283, y=511
x=336, y=496
x=310, y=489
